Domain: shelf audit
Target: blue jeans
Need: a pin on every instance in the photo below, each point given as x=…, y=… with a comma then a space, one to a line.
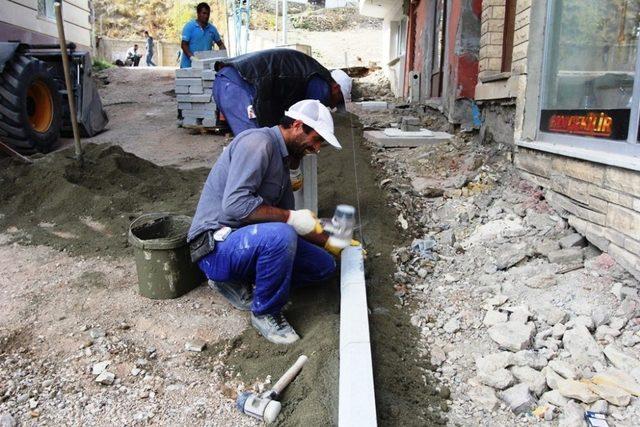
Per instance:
x=233, y=96
x=149, y=60
x=272, y=256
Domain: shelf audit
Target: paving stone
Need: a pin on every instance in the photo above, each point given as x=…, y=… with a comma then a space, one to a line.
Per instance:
x=513, y=336
x=529, y=376
x=573, y=240
x=518, y=398
x=188, y=82
x=576, y=390
x=583, y=348
x=569, y=256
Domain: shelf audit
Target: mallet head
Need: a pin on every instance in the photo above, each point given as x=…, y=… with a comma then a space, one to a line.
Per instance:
x=262, y=408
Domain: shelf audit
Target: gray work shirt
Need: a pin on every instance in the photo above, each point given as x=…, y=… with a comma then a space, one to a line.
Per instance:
x=250, y=172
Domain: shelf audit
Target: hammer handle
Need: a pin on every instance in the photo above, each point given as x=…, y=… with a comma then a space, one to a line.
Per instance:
x=288, y=376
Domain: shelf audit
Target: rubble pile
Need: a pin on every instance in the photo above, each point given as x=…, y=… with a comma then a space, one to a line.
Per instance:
x=523, y=319
x=373, y=86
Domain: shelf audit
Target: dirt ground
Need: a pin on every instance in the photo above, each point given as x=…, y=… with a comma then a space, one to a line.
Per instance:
x=68, y=298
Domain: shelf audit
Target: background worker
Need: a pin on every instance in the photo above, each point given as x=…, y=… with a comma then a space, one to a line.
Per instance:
x=254, y=90
x=199, y=35
x=271, y=245
x=133, y=56
x=149, y=39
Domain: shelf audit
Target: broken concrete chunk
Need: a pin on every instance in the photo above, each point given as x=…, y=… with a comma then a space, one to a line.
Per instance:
x=617, y=378
x=599, y=407
x=611, y=394
x=552, y=377
x=530, y=358
x=554, y=397
x=519, y=313
x=493, y=317
x=545, y=247
x=586, y=321
x=620, y=359
x=576, y=390
x=541, y=281
x=583, y=348
x=564, y=369
x=558, y=330
x=484, y=397
x=573, y=240
x=100, y=367
x=569, y=256
x=550, y=314
x=493, y=362
x=513, y=336
x=511, y=255
x=498, y=379
x=572, y=415
x=106, y=378
x=518, y=398
x=195, y=345
x=534, y=379
x=600, y=316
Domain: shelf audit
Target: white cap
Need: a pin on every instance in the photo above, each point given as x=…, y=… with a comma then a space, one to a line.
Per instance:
x=344, y=81
x=315, y=115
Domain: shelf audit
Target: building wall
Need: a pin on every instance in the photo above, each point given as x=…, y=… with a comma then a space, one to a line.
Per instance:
x=20, y=20
x=601, y=202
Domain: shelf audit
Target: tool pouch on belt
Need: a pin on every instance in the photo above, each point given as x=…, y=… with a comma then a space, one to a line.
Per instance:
x=202, y=246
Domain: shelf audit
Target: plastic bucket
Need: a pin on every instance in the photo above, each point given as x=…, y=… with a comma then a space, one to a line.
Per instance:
x=162, y=255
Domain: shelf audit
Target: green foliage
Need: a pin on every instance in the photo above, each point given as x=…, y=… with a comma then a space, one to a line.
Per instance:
x=179, y=14
x=100, y=64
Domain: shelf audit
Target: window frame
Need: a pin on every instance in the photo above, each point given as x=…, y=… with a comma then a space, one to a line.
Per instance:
x=577, y=141
x=42, y=10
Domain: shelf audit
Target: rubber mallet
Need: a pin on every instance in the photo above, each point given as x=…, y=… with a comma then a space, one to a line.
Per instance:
x=266, y=407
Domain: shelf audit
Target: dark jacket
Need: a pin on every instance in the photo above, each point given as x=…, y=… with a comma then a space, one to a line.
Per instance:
x=279, y=77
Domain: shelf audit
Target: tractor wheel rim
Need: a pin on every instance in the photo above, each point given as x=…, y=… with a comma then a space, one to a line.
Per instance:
x=40, y=106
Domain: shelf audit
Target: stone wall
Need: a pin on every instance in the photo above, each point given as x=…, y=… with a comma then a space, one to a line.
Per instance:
x=491, y=33
x=601, y=202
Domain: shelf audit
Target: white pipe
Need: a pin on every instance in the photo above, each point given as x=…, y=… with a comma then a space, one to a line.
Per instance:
x=357, y=404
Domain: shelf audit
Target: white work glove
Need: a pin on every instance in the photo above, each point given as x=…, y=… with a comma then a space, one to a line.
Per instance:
x=304, y=222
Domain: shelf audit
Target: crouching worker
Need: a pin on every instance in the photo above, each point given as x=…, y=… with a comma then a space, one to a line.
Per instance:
x=246, y=237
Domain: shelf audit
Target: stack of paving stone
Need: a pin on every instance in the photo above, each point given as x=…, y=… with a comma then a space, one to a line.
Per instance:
x=194, y=87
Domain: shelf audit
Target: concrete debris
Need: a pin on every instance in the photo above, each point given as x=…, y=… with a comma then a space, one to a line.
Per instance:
x=614, y=395
x=552, y=378
x=7, y=420
x=573, y=240
x=484, y=397
x=572, y=415
x=452, y=326
x=620, y=359
x=600, y=316
x=100, y=367
x=564, y=369
x=576, y=390
x=492, y=362
x=599, y=407
x=493, y=317
x=568, y=256
x=195, y=345
x=512, y=335
x=530, y=358
x=554, y=397
x=498, y=379
x=617, y=378
x=106, y=378
x=518, y=398
x=583, y=348
x=549, y=314
x=534, y=379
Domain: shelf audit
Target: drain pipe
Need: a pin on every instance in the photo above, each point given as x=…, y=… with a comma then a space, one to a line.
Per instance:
x=357, y=404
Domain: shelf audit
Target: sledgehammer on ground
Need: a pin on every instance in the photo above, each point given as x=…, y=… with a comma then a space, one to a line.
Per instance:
x=266, y=407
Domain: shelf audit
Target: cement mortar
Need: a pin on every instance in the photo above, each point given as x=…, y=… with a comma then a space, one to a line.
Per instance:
x=87, y=211
x=404, y=386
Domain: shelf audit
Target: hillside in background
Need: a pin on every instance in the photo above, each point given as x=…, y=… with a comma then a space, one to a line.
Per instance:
x=124, y=19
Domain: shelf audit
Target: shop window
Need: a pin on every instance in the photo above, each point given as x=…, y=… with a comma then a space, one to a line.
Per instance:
x=590, y=67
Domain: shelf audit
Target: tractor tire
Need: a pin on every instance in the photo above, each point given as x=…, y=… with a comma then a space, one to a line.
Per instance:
x=30, y=105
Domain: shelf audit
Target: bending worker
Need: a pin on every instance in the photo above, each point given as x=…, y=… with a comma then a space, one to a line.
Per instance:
x=245, y=230
x=254, y=90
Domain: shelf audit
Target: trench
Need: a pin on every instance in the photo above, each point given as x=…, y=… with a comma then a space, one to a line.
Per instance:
x=406, y=392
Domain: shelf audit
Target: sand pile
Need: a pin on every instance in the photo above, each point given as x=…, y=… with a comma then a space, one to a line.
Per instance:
x=87, y=210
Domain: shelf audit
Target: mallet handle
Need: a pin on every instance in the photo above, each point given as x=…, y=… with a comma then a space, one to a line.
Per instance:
x=288, y=376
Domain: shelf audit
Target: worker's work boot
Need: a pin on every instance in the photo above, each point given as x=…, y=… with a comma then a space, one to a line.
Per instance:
x=274, y=328
x=239, y=295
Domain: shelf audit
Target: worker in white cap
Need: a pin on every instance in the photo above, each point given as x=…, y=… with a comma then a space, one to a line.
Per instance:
x=246, y=236
x=344, y=81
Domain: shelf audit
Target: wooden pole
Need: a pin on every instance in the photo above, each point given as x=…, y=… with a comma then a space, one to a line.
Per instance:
x=13, y=153
x=67, y=80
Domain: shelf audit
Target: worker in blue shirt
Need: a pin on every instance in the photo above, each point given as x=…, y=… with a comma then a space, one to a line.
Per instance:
x=198, y=35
